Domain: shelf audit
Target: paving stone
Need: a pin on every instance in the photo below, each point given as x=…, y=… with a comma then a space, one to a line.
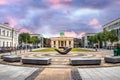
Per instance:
x=109, y=73
x=55, y=74
x=75, y=74
x=8, y=72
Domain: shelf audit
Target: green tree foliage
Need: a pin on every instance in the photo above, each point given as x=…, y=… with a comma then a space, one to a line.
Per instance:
x=113, y=36
x=24, y=37
x=93, y=39
x=104, y=37
x=34, y=40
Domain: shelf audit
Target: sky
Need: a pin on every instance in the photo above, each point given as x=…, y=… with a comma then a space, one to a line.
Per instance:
x=50, y=17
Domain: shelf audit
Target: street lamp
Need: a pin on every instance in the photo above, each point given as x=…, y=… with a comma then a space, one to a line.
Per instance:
x=41, y=41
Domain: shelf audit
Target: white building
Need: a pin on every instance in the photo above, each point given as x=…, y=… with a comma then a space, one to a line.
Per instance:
x=8, y=36
x=113, y=25
x=85, y=39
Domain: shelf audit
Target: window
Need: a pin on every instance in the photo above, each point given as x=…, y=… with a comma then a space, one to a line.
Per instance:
x=0, y=31
x=3, y=32
x=7, y=44
x=69, y=43
x=54, y=42
x=3, y=44
x=10, y=34
x=114, y=25
x=7, y=33
x=0, y=43
x=10, y=44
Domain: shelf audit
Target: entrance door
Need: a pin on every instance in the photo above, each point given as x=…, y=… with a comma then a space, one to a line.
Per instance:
x=61, y=43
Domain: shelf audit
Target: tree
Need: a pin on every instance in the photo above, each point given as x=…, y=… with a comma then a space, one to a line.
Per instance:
x=34, y=40
x=113, y=36
x=24, y=37
x=104, y=37
x=93, y=39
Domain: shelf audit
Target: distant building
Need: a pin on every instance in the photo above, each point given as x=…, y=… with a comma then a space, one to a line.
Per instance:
x=113, y=25
x=63, y=41
x=8, y=36
x=41, y=44
x=85, y=39
x=47, y=42
x=77, y=42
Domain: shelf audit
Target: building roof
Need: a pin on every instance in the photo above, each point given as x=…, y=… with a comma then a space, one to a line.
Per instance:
x=111, y=21
x=61, y=33
x=6, y=26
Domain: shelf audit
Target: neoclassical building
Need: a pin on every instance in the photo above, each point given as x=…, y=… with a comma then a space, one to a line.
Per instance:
x=8, y=36
x=63, y=41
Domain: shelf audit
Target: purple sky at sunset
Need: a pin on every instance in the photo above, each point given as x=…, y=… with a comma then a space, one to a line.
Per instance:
x=50, y=17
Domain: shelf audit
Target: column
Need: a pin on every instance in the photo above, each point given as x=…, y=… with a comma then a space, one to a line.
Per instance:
x=67, y=43
x=63, y=43
x=56, y=44
x=72, y=43
x=52, y=44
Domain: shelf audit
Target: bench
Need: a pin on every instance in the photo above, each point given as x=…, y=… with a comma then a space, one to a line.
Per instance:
x=114, y=59
x=11, y=58
x=2, y=56
x=42, y=61
x=85, y=61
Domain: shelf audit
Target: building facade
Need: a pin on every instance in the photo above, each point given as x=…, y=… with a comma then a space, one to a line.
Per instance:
x=62, y=41
x=85, y=39
x=8, y=36
x=41, y=44
x=113, y=25
x=47, y=42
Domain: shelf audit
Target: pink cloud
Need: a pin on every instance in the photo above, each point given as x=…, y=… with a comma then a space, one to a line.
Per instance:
x=3, y=2
x=13, y=24
x=12, y=21
x=6, y=2
x=54, y=1
x=95, y=24
x=59, y=6
x=59, y=1
x=68, y=0
x=73, y=34
x=25, y=30
x=118, y=1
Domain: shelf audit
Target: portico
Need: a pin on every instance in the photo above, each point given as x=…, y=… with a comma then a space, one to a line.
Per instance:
x=62, y=41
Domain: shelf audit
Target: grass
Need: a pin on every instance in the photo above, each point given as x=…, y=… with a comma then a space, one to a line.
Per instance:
x=73, y=50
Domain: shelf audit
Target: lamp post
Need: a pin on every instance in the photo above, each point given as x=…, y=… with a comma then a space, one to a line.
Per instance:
x=42, y=41
x=26, y=43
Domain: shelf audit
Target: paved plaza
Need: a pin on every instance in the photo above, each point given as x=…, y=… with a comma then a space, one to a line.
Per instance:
x=59, y=60
x=8, y=72
x=60, y=69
